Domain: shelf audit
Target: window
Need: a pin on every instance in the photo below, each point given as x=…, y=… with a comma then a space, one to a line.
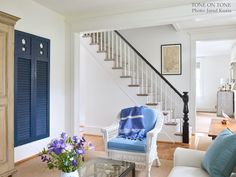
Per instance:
x=32, y=64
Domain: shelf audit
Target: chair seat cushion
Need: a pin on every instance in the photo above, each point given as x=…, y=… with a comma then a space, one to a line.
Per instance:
x=180, y=171
x=125, y=144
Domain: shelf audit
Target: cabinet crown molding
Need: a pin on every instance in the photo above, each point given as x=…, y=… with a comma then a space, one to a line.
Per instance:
x=8, y=19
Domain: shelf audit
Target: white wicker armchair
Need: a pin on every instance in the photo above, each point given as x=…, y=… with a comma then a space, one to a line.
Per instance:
x=142, y=160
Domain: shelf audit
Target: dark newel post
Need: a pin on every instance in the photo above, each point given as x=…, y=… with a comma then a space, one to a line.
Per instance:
x=185, y=124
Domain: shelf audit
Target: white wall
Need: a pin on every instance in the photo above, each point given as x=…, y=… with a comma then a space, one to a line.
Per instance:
x=101, y=97
x=41, y=21
x=212, y=69
x=233, y=53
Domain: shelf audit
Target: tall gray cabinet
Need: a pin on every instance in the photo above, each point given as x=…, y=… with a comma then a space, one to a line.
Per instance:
x=225, y=102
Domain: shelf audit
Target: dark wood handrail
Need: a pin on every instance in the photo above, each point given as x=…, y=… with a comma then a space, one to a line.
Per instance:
x=149, y=64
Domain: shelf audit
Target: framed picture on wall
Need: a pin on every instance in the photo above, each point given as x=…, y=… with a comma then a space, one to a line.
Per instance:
x=171, y=59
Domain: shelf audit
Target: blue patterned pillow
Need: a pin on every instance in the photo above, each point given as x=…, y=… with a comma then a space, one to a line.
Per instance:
x=220, y=158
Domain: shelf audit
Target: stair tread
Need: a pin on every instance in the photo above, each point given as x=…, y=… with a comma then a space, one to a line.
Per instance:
x=101, y=51
x=142, y=94
x=109, y=59
x=171, y=123
x=117, y=67
x=152, y=104
x=133, y=85
x=125, y=76
x=178, y=134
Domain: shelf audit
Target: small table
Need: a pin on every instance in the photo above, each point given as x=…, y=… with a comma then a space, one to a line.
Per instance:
x=101, y=167
x=216, y=127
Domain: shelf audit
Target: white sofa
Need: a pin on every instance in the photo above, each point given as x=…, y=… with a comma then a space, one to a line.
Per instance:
x=187, y=163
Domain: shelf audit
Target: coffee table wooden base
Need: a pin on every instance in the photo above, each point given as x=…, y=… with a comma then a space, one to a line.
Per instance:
x=216, y=127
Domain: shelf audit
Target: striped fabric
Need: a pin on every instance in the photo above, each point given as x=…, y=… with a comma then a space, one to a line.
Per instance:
x=131, y=123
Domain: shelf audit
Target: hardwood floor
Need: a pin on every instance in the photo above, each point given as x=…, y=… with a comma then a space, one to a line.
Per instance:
x=165, y=149
x=35, y=168
x=203, y=121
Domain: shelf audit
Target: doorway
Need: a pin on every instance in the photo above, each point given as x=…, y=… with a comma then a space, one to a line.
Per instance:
x=213, y=74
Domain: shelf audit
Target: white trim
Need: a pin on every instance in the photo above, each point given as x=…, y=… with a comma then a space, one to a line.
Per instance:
x=75, y=86
x=177, y=27
x=92, y=130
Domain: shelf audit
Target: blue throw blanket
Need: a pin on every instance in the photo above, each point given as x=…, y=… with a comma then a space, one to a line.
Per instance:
x=131, y=123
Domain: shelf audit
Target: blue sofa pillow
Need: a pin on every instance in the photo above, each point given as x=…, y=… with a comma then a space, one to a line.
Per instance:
x=220, y=158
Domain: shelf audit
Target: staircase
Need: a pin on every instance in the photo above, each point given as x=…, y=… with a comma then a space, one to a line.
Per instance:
x=150, y=83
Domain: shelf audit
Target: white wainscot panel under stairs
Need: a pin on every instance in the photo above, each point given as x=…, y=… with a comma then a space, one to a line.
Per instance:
x=137, y=79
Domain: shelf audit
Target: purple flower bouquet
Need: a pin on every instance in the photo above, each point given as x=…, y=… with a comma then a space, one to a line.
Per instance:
x=66, y=153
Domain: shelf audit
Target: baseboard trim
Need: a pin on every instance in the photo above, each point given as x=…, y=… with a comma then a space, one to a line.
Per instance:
x=205, y=111
x=92, y=130
x=178, y=143
x=9, y=173
x=26, y=159
x=88, y=134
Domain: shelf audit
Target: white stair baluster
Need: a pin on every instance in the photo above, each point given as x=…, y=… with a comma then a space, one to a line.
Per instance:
x=121, y=54
x=112, y=46
x=153, y=95
x=129, y=60
x=109, y=45
x=165, y=97
x=136, y=68
x=117, y=51
x=97, y=38
x=91, y=38
x=171, y=104
x=105, y=41
x=124, y=58
x=142, y=76
x=101, y=41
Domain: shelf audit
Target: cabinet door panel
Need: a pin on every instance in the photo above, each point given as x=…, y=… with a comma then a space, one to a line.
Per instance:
x=3, y=80
x=3, y=133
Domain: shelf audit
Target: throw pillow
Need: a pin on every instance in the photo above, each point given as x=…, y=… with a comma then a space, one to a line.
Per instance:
x=220, y=158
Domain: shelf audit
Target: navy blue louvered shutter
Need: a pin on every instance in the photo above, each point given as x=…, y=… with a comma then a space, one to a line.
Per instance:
x=32, y=70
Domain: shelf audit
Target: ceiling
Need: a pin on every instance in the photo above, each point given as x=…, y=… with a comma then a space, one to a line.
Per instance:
x=84, y=7
x=214, y=48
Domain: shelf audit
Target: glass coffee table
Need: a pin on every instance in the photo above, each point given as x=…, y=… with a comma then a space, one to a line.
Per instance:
x=101, y=167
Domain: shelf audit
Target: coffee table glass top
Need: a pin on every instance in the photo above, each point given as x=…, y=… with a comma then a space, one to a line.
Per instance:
x=100, y=167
